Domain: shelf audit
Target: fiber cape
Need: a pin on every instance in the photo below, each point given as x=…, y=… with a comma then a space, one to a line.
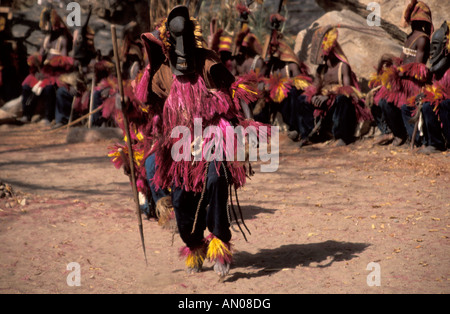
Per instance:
x=160, y=101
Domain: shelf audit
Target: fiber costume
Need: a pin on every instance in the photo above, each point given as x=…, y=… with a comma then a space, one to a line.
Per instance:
x=183, y=82
x=279, y=85
x=247, y=49
x=407, y=75
x=285, y=77
x=344, y=104
x=434, y=100
x=46, y=68
x=221, y=43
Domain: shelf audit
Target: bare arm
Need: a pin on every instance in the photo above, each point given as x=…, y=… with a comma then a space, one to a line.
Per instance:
x=423, y=45
x=318, y=100
x=259, y=64
x=223, y=79
x=318, y=77
x=294, y=69
x=346, y=75
x=248, y=114
x=43, y=49
x=64, y=46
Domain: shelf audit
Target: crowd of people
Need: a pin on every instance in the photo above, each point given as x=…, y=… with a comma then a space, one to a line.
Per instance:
x=68, y=77
x=172, y=75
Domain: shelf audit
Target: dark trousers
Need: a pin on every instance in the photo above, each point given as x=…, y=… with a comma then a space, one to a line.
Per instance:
x=437, y=125
x=212, y=213
x=340, y=118
x=298, y=113
x=444, y=115
x=150, y=169
x=97, y=118
x=29, y=101
x=266, y=113
x=380, y=119
x=393, y=118
x=407, y=114
x=49, y=96
x=63, y=105
x=343, y=117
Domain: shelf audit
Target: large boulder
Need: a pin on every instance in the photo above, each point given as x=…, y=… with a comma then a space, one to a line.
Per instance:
x=363, y=45
x=391, y=11
x=13, y=107
x=6, y=117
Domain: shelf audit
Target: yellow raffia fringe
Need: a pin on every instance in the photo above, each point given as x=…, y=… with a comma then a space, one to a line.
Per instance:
x=436, y=91
x=195, y=259
x=301, y=84
x=448, y=38
x=329, y=40
x=386, y=77
x=280, y=95
x=138, y=156
x=374, y=79
x=199, y=42
x=217, y=248
x=116, y=155
x=139, y=136
x=244, y=87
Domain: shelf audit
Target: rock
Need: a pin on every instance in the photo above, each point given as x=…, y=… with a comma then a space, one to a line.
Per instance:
x=85, y=135
x=6, y=118
x=13, y=107
x=392, y=12
x=363, y=49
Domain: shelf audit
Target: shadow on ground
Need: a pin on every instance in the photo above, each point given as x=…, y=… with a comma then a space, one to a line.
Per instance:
x=269, y=261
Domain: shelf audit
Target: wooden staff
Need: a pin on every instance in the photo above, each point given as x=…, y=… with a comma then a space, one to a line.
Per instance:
x=416, y=128
x=77, y=120
x=91, y=101
x=127, y=132
x=71, y=112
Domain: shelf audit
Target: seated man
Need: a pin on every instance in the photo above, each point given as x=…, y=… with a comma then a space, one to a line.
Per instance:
x=408, y=74
x=247, y=48
x=335, y=94
x=435, y=98
x=285, y=77
x=52, y=61
x=375, y=84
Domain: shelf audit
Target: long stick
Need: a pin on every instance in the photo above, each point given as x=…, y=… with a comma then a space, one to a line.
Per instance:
x=91, y=102
x=416, y=128
x=280, y=6
x=77, y=120
x=71, y=112
x=150, y=15
x=127, y=131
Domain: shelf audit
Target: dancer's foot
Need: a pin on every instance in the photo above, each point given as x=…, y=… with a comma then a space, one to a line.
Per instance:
x=219, y=252
x=398, y=141
x=222, y=269
x=384, y=139
x=194, y=270
x=193, y=258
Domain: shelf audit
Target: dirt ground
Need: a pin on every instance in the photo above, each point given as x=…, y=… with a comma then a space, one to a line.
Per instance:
x=316, y=224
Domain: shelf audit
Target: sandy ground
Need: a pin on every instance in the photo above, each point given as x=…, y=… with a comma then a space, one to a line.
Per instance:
x=316, y=224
